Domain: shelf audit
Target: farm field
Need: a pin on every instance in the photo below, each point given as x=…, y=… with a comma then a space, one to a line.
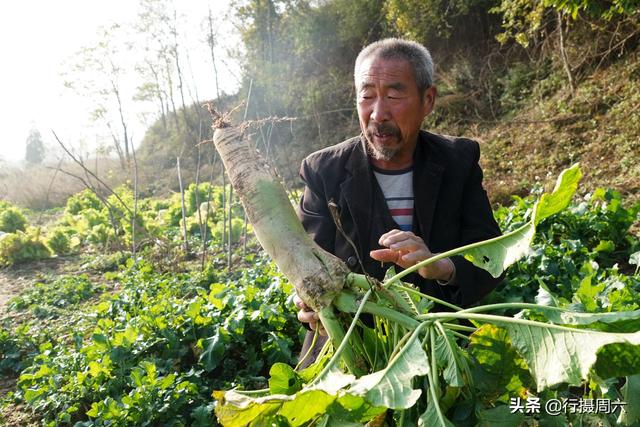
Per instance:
x=98, y=336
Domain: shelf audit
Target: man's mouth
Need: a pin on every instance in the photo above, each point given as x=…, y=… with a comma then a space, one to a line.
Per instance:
x=382, y=135
x=385, y=134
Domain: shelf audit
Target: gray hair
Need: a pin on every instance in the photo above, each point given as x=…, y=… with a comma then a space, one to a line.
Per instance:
x=417, y=55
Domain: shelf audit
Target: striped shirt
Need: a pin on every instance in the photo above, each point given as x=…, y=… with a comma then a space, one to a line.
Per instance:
x=397, y=187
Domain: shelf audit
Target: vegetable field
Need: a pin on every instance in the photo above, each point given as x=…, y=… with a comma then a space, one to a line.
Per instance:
x=159, y=337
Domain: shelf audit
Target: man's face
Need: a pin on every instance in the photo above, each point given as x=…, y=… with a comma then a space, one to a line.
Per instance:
x=390, y=107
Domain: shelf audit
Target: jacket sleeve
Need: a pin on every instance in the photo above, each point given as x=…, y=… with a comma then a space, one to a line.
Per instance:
x=477, y=224
x=313, y=210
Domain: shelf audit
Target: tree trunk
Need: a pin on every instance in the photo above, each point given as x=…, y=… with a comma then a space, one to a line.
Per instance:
x=230, y=247
x=184, y=213
x=211, y=41
x=563, y=55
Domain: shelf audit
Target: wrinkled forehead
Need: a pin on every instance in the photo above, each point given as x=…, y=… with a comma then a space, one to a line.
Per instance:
x=384, y=71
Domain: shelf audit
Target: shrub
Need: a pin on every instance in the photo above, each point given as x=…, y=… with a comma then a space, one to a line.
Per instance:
x=83, y=200
x=12, y=220
x=20, y=247
x=237, y=225
x=59, y=242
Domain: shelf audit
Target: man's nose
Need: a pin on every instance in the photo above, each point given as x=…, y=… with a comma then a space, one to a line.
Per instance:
x=380, y=112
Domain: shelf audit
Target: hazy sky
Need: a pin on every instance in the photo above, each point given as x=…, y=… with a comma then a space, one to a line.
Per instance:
x=38, y=39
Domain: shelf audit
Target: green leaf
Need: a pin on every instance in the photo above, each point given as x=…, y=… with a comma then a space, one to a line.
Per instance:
x=560, y=197
x=545, y=297
x=630, y=392
x=332, y=421
x=306, y=406
x=500, y=416
x=32, y=394
x=130, y=334
x=101, y=340
x=391, y=386
x=495, y=255
x=284, y=380
x=618, y=360
x=348, y=408
x=446, y=354
x=499, y=253
x=500, y=372
x=202, y=416
x=560, y=355
x=236, y=409
x=587, y=293
x=326, y=396
x=333, y=381
x=430, y=417
x=95, y=369
x=213, y=351
x=605, y=246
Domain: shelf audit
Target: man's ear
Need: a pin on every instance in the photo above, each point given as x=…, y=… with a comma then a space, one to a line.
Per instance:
x=429, y=100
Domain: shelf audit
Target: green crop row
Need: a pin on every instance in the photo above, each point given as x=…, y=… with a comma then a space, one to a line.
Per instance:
x=103, y=223
x=156, y=350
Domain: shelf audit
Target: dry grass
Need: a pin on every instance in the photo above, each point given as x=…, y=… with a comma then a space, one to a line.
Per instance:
x=601, y=132
x=44, y=186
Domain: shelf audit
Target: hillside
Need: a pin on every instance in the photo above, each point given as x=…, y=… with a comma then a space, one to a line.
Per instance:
x=599, y=126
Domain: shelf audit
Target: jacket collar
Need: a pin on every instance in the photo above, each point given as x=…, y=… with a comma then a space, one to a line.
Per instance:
x=357, y=192
x=427, y=176
x=357, y=189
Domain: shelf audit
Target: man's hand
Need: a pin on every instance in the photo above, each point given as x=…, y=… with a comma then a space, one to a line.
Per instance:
x=406, y=249
x=306, y=315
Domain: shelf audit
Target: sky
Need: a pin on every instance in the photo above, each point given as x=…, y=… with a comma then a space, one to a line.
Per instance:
x=38, y=42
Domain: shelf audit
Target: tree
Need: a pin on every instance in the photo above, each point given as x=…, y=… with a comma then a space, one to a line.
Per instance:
x=35, y=148
x=99, y=72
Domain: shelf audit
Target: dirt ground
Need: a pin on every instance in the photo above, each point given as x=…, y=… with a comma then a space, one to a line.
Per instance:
x=16, y=278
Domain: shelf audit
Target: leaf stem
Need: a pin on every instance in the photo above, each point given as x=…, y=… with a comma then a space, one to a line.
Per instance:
x=456, y=327
x=429, y=297
x=449, y=253
x=512, y=305
x=459, y=335
x=344, y=343
x=434, y=396
x=252, y=392
x=434, y=360
x=390, y=314
x=490, y=318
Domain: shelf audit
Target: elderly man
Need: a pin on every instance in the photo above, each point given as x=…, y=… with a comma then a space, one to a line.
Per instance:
x=402, y=194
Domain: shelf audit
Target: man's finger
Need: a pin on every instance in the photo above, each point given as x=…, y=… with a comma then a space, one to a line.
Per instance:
x=384, y=255
x=400, y=236
x=407, y=245
x=300, y=305
x=307, y=316
x=388, y=235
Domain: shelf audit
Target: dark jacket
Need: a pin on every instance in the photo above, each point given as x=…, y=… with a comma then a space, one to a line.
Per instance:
x=451, y=208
